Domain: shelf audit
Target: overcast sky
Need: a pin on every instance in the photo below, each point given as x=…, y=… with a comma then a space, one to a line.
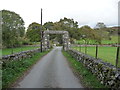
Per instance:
x=85, y=12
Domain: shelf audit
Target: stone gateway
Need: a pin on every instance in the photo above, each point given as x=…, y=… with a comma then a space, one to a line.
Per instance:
x=65, y=39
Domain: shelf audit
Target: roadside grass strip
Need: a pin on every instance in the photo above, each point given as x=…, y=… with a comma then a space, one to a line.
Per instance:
x=86, y=77
x=14, y=69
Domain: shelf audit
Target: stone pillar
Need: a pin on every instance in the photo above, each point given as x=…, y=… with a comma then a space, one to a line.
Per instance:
x=45, y=40
x=66, y=41
x=46, y=43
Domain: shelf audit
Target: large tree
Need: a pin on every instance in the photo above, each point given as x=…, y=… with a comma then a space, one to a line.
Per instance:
x=12, y=28
x=33, y=32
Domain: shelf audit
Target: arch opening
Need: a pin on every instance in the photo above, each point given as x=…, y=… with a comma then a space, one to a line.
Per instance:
x=46, y=37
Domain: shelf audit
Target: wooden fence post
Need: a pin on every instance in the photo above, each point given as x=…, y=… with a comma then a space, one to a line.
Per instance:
x=96, y=54
x=118, y=57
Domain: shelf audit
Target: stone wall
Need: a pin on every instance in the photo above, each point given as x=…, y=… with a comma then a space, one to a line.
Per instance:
x=20, y=55
x=108, y=74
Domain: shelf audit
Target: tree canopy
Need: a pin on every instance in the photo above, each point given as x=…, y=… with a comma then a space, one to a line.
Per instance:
x=66, y=24
x=12, y=28
x=33, y=32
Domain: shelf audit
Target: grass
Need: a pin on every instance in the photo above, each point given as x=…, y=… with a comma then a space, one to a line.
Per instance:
x=82, y=41
x=8, y=51
x=114, y=39
x=13, y=70
x=107, y=54
x=86, y=77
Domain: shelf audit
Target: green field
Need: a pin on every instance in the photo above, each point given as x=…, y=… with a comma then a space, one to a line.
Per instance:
x=114, y=39
x=8, y=51
x=107, y=54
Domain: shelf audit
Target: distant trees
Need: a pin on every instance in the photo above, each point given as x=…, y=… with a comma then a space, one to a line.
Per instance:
x=100, y=25
x=33, y=32
x=66, y=24
x=12, y=28
x=89, y=33
x=102, y=31
x=49, y=26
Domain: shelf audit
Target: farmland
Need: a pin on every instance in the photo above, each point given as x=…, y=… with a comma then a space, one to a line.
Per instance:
x=107, y=54
x=8, y=51
x=114, y=39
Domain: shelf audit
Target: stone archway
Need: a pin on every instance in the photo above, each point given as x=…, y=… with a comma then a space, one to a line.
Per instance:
x=65, y=38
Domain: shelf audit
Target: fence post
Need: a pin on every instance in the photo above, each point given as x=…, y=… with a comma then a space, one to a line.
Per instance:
x=117, y=57
x=80, y=47
x=21, y=48
x=85, y=47
x=12, y=49
x=96, y=54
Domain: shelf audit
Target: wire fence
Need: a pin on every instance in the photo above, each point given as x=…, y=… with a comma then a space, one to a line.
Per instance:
x=106, y=53
x=9, y=51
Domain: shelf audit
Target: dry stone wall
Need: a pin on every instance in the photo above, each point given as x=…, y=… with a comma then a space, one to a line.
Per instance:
x=20, y=55
x=108, y=74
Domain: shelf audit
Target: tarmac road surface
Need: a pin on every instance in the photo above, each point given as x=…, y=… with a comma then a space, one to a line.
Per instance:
x=52, y=71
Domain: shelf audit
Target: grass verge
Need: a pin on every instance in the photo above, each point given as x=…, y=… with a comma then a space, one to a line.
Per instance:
x=86, y=77
x=13, y=70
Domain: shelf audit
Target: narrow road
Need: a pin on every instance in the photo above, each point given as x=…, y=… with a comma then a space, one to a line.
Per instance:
x=52, y=71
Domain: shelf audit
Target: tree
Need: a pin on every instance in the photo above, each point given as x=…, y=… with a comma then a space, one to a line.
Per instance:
x=90, y=34
x=33, y=32
x=100, y=25
x=87, y=31
x=12, y=28
x=102, y=31
x=49, y=25
x=70, y=23
x=65, y=24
